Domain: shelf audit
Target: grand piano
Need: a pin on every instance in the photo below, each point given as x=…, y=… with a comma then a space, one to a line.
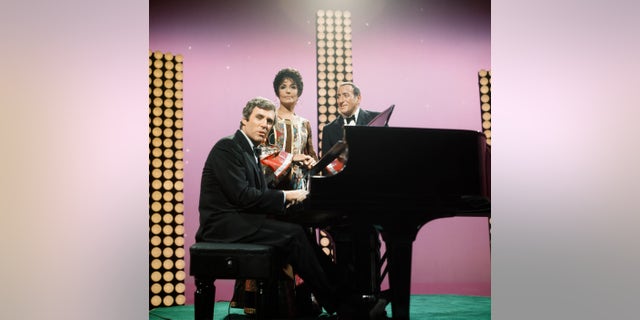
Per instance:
x=399, y=179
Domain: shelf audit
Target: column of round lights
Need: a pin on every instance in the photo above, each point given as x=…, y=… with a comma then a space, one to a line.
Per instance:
x=334, y=62
x=334, y=65
x=166, y=198
x=484, y=82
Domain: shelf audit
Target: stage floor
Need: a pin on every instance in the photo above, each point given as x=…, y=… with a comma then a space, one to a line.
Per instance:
x=432, y=307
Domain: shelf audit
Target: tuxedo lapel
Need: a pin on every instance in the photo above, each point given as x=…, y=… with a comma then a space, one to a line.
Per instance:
x=250, y=159
x=363, y=118
x=341, y=121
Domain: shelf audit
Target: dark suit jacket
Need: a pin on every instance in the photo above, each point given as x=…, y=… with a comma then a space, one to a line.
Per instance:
x=333, y=131
x=234, y=199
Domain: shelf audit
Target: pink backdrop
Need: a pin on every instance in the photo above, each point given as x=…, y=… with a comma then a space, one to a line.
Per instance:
x=422, y=56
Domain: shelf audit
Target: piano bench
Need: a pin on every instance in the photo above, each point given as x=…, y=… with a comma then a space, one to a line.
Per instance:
x=211, y=261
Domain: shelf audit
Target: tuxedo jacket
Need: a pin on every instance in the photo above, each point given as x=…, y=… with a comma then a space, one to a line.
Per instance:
x=234, y=198
x=334, y=131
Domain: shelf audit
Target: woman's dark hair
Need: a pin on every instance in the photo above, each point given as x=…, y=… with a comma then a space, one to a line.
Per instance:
x=290, y=73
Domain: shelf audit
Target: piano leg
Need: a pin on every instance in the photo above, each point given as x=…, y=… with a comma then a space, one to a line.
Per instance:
x=399, y=249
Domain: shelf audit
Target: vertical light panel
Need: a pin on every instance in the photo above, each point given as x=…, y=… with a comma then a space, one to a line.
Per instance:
x=334, y=65
x=334, y=62
x=166, y=197
x=484, y=83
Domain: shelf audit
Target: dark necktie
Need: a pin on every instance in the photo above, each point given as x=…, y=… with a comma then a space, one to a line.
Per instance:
x=257, y=151
x=261, y=184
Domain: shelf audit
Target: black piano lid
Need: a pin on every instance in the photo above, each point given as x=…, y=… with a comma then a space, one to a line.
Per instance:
x=409, y=170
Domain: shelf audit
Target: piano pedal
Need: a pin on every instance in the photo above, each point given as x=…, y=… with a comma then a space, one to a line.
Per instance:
x=368, y=299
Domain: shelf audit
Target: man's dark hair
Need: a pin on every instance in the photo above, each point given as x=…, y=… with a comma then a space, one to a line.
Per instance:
x=257, y=102
x=356, y=90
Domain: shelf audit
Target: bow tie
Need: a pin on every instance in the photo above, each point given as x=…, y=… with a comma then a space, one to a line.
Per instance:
x=350, y=119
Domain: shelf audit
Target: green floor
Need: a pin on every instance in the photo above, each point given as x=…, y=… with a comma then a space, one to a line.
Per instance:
x=431, y=307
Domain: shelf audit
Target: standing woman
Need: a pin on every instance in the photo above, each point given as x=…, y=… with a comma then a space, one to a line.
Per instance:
x=291, y=134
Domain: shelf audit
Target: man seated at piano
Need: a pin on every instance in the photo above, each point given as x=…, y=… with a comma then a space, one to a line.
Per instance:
x=235, y=201
x=285, y=156
x=357, y=247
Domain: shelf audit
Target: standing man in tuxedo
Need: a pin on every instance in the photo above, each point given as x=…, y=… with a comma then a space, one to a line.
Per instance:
x=357, y=246
x=235, y=202
x=350, y=114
